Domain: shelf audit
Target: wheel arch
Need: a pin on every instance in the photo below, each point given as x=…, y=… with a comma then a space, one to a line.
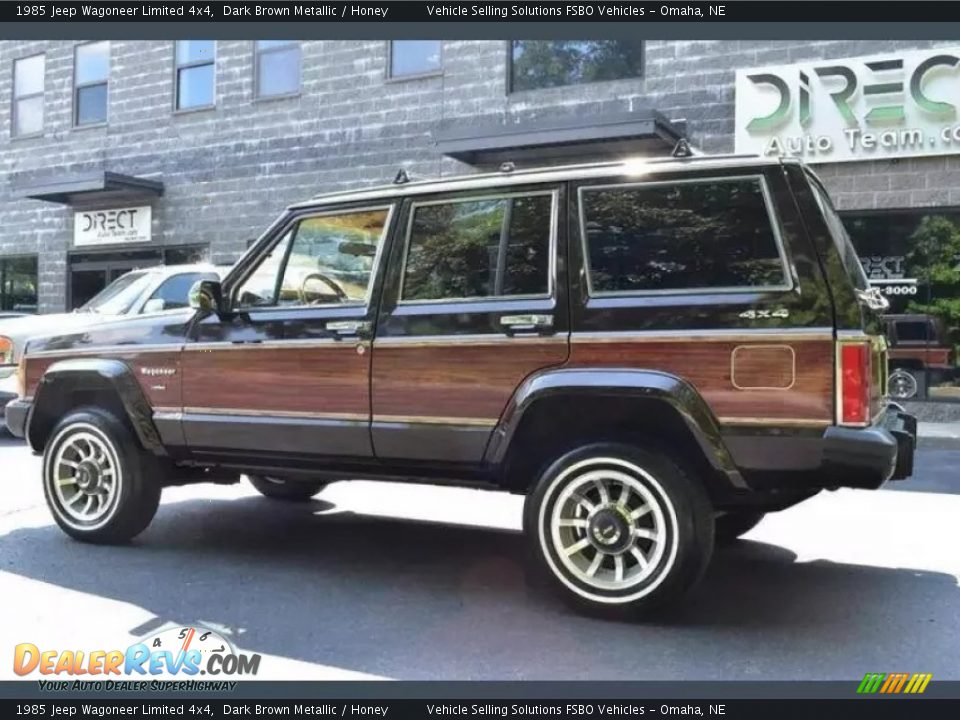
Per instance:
x=554, y=408
x=105, y=383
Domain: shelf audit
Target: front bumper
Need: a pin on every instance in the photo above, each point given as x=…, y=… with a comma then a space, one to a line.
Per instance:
x=868, y=457
x=17, y=414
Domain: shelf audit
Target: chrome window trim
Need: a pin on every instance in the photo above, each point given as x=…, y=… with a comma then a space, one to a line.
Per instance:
x=553, y=193
x=771, y=216
x=237, y=284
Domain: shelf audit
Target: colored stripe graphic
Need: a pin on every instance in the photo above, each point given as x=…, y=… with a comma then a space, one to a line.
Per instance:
x=894, y=683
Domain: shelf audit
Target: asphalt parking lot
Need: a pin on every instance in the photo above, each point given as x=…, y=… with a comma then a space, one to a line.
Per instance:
x=425, y=583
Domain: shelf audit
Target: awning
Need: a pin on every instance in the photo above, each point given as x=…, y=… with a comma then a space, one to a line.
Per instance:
x=87, y=187
x=590, y=137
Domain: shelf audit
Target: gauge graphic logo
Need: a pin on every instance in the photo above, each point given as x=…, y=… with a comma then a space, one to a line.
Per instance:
x=172, y=651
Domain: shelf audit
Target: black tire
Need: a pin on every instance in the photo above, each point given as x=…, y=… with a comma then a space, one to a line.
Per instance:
x=278, y=488
x=732, y=525
x=679, y=515
x=126, y=498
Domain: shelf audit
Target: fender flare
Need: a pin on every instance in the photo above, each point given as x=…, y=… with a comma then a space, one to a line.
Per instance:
x=81, y=373
x=671, y=390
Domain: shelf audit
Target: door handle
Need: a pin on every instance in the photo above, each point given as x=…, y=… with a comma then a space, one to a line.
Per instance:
x=526, y=323
x=347, y=328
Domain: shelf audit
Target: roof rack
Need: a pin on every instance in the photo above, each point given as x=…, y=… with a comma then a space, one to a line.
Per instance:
x=402, y=183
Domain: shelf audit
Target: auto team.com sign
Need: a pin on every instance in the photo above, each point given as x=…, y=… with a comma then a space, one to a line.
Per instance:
x=107, y=227
x=903, y=104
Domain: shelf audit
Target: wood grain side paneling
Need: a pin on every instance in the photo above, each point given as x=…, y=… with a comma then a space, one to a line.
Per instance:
x=708, y=367
x=161, y=390
x=328, y=379
x=454, y=380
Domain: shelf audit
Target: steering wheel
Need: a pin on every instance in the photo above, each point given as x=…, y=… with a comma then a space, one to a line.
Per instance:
x=330, y=282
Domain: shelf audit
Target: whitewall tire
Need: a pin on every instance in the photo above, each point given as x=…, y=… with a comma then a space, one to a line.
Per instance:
x=617, y=528
x=99, y=484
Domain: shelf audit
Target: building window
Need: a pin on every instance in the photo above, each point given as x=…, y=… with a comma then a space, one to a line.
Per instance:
x=703, y=235
x=91, y=77
x=494, y=247
x=28, y=95
x=409, y=58
x=18, y=284
x=277, y=68
x=535, y=64
x=195, y=61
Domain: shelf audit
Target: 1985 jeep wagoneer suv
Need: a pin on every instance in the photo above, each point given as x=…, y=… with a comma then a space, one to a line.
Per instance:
x=655, y=353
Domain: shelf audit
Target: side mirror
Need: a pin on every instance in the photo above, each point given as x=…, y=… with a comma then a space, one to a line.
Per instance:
x=154, y=305
x=207, y=295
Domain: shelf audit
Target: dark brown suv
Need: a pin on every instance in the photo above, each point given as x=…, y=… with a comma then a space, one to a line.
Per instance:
x=654, y=353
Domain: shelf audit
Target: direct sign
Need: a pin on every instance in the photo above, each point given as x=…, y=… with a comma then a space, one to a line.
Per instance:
x=902, y=104
x=106, y=227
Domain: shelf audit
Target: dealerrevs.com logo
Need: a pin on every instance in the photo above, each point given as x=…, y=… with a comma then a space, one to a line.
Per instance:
x=173, y=652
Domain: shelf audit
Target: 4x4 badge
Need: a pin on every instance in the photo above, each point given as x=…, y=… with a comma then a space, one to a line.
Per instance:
x=762, y=314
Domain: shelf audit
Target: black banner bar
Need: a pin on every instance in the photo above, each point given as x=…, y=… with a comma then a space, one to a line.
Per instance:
x=787, y=11
x=199, y=707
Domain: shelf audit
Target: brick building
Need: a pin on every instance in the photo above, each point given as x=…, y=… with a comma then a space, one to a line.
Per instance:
x=206, y=142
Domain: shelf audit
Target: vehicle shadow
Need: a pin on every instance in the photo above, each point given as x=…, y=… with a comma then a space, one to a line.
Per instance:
x=415, y=600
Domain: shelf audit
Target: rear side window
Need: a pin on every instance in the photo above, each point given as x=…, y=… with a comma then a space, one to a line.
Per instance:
x=680, y=236
x=479, y=248
x=912, y=332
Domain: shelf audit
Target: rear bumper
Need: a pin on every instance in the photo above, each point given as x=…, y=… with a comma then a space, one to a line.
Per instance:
x=868, y=457
x=17, y=414
x=788, y=460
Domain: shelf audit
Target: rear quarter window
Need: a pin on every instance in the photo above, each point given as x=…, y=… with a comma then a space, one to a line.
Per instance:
x=682, y=236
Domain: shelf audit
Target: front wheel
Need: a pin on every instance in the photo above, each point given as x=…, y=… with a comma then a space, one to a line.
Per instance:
x=618, y=528
x=282, y=489
x=100, y=485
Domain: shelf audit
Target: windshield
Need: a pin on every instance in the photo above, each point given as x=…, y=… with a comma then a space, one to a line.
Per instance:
x=118, y=297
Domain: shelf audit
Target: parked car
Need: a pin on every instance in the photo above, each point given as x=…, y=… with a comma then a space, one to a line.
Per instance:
x=654, y=354
x=920, y=353
x=137, y=292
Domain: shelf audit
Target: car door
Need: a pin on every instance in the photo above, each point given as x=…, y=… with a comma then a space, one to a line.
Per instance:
x=287, y=370
x=474, y=302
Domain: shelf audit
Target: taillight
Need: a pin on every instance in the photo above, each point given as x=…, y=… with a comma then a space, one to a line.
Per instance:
x=6, y=351
x=855, y=373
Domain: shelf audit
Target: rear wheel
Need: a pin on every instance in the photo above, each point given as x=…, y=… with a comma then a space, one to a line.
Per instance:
x=279, y=488
x=100, y=485
x=619, y=529
x=732, y=525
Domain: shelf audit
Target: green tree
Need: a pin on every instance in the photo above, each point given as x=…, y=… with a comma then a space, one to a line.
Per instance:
x=934, y=259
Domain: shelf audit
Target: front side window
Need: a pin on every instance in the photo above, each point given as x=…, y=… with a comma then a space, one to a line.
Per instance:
x=277, y=68
x=28, y=95
x=18, y=284
x=324, y=260
x=481, y=248
x=91, y=81
x=680, y=236
x=414, y=57
x=536, y=64
x=196, y=60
